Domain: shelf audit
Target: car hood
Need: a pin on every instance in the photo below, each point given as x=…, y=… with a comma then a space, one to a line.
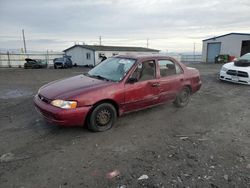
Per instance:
x=70, y=87
x=231, y=66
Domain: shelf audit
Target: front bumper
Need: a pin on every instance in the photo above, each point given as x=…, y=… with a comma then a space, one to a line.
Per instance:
x=235, y=79
x=63, y=117
x=59, y=65
x=196, y=86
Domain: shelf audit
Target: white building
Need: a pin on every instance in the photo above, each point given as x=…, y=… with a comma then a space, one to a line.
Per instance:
x=234, y=44
x=92, y=54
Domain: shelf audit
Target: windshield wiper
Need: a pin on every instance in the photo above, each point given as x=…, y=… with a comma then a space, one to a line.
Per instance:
x=86, y=74
x=99, y=77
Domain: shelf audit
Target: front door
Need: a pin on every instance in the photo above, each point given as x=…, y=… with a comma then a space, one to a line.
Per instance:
x=144, y=91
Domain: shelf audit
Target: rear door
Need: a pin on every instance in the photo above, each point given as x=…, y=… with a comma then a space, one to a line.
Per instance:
x=145, y=91
x=171, y=79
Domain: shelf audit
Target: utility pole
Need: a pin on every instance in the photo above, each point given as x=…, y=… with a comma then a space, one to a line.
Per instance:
x=24, y=43
x=100, y=40
x=194, y=52
x=147, y=42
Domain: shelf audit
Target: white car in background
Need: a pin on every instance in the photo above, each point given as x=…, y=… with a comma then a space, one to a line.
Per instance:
x=237, y=71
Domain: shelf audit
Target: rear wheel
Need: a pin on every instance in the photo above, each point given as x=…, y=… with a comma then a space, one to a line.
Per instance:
x=183, y=97
x=102, y=117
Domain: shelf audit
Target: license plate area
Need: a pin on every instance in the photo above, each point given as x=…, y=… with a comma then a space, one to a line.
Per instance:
x=235, y=78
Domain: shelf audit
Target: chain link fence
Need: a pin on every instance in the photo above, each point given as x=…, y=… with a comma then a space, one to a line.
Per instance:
x=191, y=58
x=18, y=59
x=185, y=58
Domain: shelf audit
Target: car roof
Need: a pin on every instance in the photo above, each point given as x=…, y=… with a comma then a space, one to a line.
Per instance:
x=143, y=56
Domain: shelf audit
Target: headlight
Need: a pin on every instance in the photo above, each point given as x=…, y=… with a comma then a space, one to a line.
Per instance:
x=64, y=104
x=223, y=69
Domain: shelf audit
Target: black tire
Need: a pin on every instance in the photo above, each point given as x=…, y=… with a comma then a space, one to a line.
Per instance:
x=102, y=117
x=183, y=98
x=55, y=67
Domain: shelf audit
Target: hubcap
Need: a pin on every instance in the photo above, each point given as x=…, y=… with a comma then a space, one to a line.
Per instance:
x=184, y=96
x=103, y=117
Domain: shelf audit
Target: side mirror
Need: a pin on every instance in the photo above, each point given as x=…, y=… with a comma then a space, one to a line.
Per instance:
x=132, y=80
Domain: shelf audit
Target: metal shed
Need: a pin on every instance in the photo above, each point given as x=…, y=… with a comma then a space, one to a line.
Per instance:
x=92, y=54
x=234, y=44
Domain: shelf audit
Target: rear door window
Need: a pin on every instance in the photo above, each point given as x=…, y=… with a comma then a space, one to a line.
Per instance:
x=169, y=68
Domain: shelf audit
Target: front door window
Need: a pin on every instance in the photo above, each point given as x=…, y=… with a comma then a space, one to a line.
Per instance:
x=145, y=71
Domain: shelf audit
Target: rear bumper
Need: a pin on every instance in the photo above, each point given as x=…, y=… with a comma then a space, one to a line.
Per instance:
x=235, y=79
x=62, y=117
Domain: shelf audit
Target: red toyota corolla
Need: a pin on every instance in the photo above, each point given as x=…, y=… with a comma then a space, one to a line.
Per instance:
x=116, y=86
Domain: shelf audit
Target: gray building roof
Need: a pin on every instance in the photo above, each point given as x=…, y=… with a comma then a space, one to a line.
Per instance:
x=113, y=48
x=227, y=35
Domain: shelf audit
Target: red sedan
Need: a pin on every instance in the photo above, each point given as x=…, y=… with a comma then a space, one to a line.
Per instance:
x=116, y=86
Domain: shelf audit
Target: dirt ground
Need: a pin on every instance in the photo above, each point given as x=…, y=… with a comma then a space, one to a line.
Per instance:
x=206, y=144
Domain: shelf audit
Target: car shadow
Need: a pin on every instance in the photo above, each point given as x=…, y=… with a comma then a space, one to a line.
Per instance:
x=74, y=131
x=233, y=83
x=46, y=129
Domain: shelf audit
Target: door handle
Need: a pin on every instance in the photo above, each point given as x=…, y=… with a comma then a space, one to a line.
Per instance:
x=156, y=84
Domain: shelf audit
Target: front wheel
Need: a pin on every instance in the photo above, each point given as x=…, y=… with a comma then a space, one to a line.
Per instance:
x=102, y=117
x=183, y=97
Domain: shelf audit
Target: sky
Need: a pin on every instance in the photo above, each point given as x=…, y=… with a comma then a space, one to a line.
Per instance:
x=169, y=25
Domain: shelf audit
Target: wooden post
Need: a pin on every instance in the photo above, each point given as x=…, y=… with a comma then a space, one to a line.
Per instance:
x=0, y=60
x=47, y=58
x=24, y=42
x=8, y=55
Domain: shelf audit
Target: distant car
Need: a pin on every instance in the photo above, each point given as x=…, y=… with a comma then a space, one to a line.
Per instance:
x=63, y=62
x=237, y=71
x=35, y=63
x=114, y=87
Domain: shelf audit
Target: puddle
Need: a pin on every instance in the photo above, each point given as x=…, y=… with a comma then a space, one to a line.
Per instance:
x=14, y=93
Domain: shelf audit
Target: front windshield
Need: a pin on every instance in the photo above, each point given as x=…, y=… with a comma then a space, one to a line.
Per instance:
x=59, y=59
x=245, y=57
x=113, y=69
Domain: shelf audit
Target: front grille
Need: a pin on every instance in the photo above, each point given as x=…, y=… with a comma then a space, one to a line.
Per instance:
x=44, y=99
x=242, y=74
x=238, y=73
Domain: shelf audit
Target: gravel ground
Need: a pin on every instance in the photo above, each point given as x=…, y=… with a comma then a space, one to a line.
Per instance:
x=205, y=144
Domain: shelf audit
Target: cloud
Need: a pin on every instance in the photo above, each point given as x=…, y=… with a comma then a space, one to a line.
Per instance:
x=169, y=24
